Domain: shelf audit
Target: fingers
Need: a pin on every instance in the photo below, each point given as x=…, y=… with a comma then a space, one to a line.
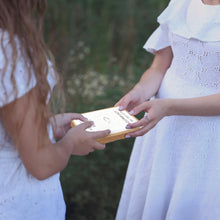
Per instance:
x=96, y=135
x=66, y=118
x=142, y=107
x=123, y=103
x=86, y=125
x=100, y=134
x=78, y=116
x=147, y=117
x=146, y=125
x=141, y=131
x=99, y=146
x=143, y=122
x=117, y=104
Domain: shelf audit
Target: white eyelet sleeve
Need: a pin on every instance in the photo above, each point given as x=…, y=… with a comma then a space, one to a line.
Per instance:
x=21, y=80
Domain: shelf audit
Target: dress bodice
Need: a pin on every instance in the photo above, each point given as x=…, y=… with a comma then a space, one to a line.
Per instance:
x=197, y=62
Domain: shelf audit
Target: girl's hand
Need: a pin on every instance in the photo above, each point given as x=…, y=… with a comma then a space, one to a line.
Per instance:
x=131, y=99
x=155, y=110
x=81, y=142
x=63, y=123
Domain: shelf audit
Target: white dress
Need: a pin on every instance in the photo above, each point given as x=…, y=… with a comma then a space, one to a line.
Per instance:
x=174, y=170
x=21, y=195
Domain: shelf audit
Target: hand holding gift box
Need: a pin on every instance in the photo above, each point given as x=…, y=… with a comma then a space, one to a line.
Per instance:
x=109, y=118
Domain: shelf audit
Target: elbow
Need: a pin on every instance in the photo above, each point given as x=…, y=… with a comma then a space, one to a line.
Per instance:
x=40, y=177
x=40, y=174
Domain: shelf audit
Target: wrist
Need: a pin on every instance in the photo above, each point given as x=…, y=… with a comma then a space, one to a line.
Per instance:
x=141, y=89
x=64, y=148
x=169, y=107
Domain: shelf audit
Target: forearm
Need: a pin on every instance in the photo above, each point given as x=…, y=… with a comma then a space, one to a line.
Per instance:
x=152, y=78
x=150, y=82
x=201, y=106
x=157, y=109
x=47, y=160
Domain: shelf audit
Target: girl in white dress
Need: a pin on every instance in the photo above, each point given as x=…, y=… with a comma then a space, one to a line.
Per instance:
x=174, y=169
x=30, y=159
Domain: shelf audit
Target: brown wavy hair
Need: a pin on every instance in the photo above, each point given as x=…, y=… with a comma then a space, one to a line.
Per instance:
x=23, y=19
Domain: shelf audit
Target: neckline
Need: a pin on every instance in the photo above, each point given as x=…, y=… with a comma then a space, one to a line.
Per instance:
x=208, y=5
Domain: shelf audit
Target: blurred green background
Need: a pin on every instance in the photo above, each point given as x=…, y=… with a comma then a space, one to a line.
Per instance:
x=98, y=47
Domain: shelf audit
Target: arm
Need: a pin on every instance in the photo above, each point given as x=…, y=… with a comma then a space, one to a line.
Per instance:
x=158, y=108
x=152, y=78
x=149, y=82
x=201, y=106
x=41, y=157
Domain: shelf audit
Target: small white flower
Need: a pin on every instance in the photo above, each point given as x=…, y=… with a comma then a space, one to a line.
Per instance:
x=72, y=52
x=80, y=44
x=86, y=50
x=81, y=56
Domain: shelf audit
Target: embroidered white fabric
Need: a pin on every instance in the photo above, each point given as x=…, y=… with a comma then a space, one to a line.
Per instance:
x=174, y=170
x=192, y=19
x=21, y=195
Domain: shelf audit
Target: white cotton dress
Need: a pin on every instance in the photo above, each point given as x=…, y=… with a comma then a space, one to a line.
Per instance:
x=174, y=170
x=23, y=197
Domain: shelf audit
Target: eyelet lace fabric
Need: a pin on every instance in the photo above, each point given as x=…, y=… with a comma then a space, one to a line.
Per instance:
x=195, y=70
x=174, y=170
x=21, y=195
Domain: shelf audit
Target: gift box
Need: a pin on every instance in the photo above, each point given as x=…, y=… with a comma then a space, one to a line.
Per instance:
x=109, y=118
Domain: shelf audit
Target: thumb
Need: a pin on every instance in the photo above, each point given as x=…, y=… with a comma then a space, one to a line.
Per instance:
x=86, y=125
x=80, y=117
x=123, y=103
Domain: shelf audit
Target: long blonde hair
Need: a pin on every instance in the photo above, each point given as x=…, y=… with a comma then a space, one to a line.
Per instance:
x=24, y=19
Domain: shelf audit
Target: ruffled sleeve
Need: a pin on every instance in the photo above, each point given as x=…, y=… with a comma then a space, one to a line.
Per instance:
x=190, y=19
x=21, y=80
x=158, y=40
